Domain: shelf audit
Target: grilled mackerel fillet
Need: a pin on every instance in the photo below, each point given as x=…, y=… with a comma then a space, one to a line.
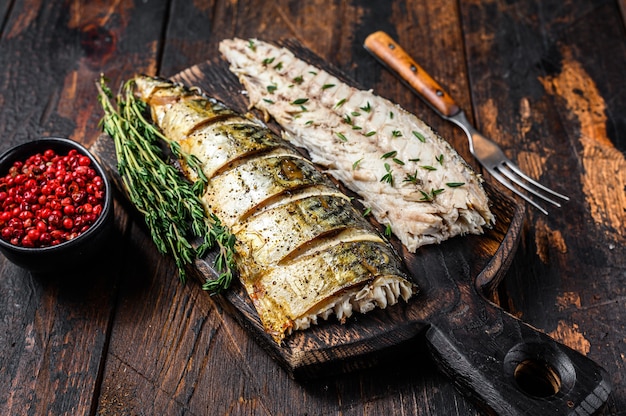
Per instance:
x=303, y=251
x=409, y=176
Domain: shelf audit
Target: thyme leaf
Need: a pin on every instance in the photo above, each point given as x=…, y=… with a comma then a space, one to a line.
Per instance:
x=340, y=103
x=169, y=203
x=389, y=154
x=387, y=177
x=429, y=197
x=419, y=136
x=413, y=178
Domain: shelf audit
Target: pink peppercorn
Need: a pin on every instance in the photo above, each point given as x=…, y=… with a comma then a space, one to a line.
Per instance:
x=44, y=199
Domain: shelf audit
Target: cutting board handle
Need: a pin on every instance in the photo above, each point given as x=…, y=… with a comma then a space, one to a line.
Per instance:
x=511, y=368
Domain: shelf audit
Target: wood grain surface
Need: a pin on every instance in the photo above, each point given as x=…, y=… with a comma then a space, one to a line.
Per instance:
x=331, y=348
x=543, y=78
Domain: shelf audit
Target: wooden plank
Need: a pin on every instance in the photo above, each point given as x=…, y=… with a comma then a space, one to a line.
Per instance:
x=5, y=6
x=556, y=104
x=55, y=329
x=268, y=389
x=176, y=328
x=41, y=98
x=309, y=352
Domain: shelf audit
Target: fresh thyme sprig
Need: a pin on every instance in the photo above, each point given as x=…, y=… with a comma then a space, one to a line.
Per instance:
x=168, y=202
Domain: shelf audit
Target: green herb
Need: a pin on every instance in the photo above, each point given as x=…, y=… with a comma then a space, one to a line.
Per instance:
x=267, y=61
x=271, y=88
x=347, y=119
x=340, y=103
x=419, y=136
x=300, y=101
x=355, y=114
x=341, y=136
x=428, y=167
x=267, y=100
x=391, y=115
x=309, y=122
x=278, y=66
x=370, y=133
x=440, y=159
x=428, y=197
x=168, y=202
x=367, y=108
x=355, y=165
x=417, y=159
x=357, y=128
x=387, y=177
x=412, y=178
x=298, y=80
x=454, y=184
x=327, y=86
x=251, y=45
x=396, y=133
x=388, y=231
x=367, y=211
x=389, y=154
x=313, y=72
x=398, y=161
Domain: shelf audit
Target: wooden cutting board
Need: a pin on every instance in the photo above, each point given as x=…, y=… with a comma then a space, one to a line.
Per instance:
x=506, y=365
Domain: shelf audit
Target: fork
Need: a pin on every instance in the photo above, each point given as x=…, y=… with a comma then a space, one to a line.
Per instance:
x=488, y=153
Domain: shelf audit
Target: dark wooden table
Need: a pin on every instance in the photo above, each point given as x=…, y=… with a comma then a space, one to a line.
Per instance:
x=546, y=79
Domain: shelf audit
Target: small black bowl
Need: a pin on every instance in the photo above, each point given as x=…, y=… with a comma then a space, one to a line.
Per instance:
x=63, y=257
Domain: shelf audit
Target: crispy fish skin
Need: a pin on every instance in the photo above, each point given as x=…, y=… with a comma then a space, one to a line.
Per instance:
x=409, y=176
x=303, y=251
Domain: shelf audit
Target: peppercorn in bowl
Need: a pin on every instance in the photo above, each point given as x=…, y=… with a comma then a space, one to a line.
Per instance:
x=56, y=207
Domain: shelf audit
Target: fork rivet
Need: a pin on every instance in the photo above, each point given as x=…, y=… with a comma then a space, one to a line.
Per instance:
x=392, y=46
x=413, y=68
x=439, y=93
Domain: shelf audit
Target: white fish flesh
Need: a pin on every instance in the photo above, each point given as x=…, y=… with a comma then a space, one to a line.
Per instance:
x=412, y=179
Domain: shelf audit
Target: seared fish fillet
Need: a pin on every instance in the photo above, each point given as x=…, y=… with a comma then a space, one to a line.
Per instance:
x=303, y=251
x=410, y=177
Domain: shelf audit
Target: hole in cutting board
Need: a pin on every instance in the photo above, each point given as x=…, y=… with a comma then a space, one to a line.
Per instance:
x=539, y=369
x=537, y=378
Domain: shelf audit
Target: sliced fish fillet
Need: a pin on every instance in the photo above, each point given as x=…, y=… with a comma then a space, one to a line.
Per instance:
x=304, y=253
x=412, y=179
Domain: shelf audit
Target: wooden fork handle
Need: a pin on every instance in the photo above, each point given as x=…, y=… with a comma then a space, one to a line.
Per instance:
x=390, y=53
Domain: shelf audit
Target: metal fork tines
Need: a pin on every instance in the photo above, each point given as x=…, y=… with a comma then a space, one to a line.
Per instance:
x=501, y=168
x=385, y=49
